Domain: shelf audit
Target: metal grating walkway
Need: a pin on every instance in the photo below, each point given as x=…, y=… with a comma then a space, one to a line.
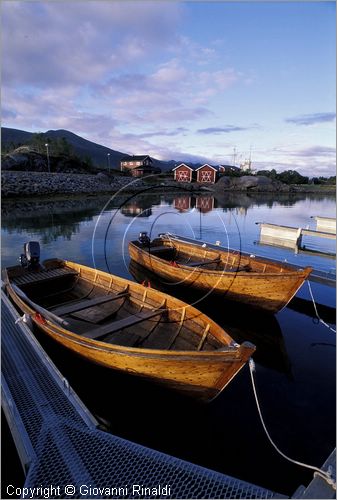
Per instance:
x=59, y=443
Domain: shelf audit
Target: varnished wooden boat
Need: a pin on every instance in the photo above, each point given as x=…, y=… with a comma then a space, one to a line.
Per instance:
x=125, y=326
x=251, y=280
x=261, y=329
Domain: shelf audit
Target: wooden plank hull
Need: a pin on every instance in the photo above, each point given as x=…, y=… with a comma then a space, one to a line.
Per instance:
x=200, y=373
x=266, y=286
x=262, y=329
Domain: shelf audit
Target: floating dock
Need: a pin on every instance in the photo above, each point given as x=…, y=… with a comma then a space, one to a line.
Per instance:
x=286, y=236
x=318, y=487
x=60, y=445
x=326, y=224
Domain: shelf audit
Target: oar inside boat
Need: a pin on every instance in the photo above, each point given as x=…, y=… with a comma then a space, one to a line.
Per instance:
x=41, y=310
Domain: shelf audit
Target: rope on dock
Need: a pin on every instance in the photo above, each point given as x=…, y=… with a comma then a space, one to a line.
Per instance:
x=326, y=475
x=316, y=312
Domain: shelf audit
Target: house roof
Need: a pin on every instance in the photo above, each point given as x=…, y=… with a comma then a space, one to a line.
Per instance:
x=207, y=165
x=182, y=165
x=135, y=158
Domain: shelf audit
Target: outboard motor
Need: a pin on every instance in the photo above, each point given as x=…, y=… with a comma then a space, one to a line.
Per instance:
x=31, y=256
x=144, y=239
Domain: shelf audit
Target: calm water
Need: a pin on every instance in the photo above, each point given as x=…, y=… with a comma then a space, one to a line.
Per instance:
x=295, y=357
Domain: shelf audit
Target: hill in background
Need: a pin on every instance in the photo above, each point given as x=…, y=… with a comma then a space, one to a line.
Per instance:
x=12, y=138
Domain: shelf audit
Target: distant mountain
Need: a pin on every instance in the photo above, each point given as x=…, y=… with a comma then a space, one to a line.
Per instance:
x=82, y=147
x=15, y=136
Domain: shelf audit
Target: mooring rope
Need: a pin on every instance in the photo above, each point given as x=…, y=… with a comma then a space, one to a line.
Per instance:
x=326, y=475
x=316, y=312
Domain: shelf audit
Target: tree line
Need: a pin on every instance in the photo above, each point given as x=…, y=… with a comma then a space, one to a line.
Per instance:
x=294, y=177
x=58, y=146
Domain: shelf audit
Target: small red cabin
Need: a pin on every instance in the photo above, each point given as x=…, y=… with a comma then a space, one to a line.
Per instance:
x=183, y=173
x=138, y=166
x=206, y=174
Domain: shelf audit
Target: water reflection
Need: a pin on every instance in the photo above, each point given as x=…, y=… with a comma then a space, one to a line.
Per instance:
x=49, y=219
x=181, y=201
x=184, y=203
x=134, y=210
x=229, y=218
x=326, y=313
x=231, y=200
x=290, y=344
x=203, y=203
x=138, y=205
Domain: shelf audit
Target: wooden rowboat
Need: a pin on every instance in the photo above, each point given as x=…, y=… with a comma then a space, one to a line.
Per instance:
x=251, y=280
x=125, y=326
x=261, y=329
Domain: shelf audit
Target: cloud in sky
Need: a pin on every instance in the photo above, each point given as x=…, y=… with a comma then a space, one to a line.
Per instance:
x=311, y=161
x=312, y=119
x=162, y=78
x=52, y=43
x=221, y=130
x=167, y=133
x=316, y=151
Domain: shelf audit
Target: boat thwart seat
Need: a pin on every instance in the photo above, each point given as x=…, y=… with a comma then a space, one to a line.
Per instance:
x=160, y=249
x=86, y=303
x=115, y=326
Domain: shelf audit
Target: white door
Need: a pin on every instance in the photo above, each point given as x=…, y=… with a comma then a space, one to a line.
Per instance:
x=183, y=176
x=206, y=176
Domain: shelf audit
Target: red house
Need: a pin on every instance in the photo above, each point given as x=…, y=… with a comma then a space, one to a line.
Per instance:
x=206, y=174
x=138, y=166
x=183, y=173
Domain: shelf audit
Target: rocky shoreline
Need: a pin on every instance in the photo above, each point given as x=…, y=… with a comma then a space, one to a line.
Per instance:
x=26, y=184
x=16, y=184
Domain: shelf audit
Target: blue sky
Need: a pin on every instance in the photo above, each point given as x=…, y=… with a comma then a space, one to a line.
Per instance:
x=188, y=81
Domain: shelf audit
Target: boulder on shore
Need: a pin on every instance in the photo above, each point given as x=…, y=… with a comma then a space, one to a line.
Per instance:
x=26, y=159
x=255, y=183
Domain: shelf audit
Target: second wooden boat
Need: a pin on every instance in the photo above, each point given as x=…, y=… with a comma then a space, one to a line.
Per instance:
x=125, y=326
x=258, y=327
x=251, y=280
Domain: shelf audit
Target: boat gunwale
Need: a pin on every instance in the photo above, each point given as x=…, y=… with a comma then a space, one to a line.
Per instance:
x=235, y=273
x=223, y=353
x=227, y=349
x=217, y=248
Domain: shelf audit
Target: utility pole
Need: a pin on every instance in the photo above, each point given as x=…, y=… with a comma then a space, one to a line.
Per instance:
x=234, y=156
x=47, y=146
x=250, y=158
